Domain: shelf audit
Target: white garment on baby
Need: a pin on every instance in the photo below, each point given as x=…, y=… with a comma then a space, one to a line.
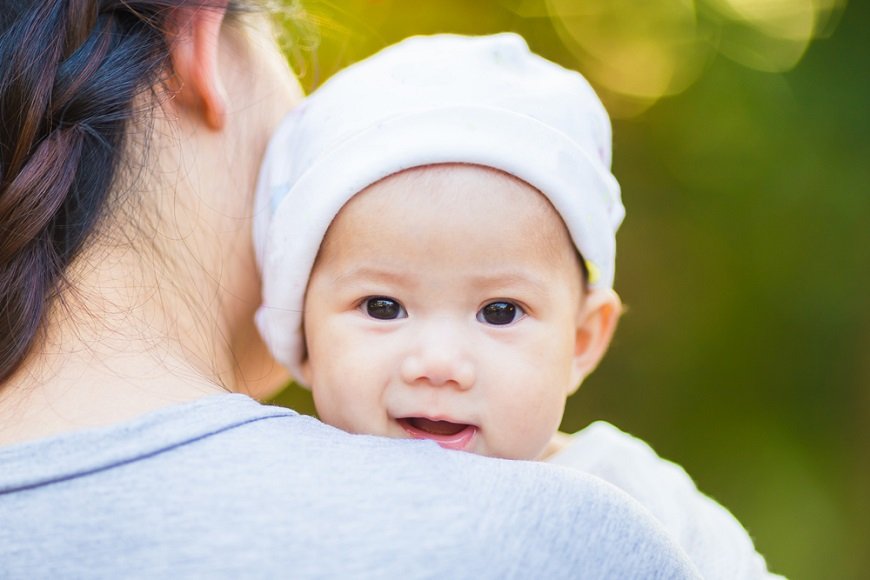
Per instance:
x=713, y=539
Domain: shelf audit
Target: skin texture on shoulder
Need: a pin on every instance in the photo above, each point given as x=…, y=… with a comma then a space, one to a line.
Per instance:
x=453, y=296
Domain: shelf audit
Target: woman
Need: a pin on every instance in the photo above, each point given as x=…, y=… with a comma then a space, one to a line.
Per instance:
x=131, y=134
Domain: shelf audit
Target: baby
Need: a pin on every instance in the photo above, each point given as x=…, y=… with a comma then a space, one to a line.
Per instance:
x=440, y=219
x=436, y=230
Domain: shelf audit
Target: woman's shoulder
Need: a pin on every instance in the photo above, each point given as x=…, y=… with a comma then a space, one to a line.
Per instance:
x=227, y=486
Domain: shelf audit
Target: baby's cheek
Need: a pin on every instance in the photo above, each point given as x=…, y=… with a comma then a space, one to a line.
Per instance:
x=339, y=403
x=338, y=346
x=528, y=419
x=530, y=442
x=358, y=368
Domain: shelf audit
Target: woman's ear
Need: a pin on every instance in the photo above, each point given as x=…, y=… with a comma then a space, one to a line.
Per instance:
x=197, y=86
x=596, y=323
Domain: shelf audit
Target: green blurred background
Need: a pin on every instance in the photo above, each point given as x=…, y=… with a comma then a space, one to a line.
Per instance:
x=742, y=143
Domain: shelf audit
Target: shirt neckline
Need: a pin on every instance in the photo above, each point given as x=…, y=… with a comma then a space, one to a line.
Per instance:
x=33, y=463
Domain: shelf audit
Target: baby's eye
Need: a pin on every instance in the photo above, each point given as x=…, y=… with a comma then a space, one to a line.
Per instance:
x=383, y=308
x=500, y=313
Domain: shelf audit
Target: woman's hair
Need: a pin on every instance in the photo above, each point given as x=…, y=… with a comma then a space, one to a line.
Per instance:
x=70, y=72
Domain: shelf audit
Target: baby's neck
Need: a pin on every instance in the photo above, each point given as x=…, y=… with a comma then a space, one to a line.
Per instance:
x=558, y=442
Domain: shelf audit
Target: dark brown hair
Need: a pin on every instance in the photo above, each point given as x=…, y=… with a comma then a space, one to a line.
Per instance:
x=69, y=73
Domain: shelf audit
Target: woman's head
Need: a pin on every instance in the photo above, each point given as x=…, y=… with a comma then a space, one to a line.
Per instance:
x=120, y=123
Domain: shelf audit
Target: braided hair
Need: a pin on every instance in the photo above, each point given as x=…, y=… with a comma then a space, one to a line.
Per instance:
x=69, y=73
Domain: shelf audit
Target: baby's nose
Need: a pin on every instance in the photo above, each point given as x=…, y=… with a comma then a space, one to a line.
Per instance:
x=439, y=359
x=420, y=370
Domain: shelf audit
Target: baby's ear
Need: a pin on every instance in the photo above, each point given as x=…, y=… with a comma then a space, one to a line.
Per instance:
x=596, y=323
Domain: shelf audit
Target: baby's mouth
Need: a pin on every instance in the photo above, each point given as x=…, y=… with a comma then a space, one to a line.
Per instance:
x=445, y=433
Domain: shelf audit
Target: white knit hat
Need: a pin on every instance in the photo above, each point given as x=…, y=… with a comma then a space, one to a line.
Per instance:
x=429, y=99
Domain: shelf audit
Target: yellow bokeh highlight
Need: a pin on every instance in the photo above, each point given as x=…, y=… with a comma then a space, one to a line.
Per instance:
x=786, y=19
x=636, y=52
x=771, y=35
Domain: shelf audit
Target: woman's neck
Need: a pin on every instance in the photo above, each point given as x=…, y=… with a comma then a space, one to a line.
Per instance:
x=110, y=353
x=140, y=332
x=76, y=391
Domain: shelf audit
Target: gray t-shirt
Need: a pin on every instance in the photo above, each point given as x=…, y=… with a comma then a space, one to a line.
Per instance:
x=227, y=487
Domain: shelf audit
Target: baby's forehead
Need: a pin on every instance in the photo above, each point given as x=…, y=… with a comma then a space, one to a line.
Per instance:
x=453, y=184
x=461, y=231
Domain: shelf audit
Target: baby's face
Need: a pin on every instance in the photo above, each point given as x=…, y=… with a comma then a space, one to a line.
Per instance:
x=444, y=305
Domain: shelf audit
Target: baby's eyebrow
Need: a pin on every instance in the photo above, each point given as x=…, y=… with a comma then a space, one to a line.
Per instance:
x=369, y=273
x=510, y=279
